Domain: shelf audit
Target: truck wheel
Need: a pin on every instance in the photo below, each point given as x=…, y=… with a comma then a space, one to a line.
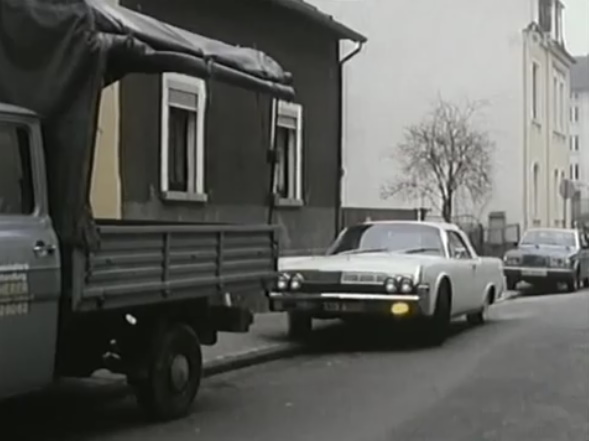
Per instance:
x=300, y=325
x=437, y=328
x=511, y=284
x=174, y=374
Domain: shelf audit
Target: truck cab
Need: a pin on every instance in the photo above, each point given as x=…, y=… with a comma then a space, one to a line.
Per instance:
x=29, y=258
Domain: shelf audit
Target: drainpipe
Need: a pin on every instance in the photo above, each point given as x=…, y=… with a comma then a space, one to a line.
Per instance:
x=338, y=203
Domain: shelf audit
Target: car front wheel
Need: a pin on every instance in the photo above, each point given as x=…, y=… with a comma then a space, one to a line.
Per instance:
x=436, y=328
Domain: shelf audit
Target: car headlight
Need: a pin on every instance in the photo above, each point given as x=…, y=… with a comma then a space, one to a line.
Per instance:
x=560, y=262
x=407, y=286
x=390, y=285
x=512, y=260
x=282, y=282
x=296, y=282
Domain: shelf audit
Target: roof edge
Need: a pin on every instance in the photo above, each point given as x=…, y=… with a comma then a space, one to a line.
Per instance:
x=321, y=18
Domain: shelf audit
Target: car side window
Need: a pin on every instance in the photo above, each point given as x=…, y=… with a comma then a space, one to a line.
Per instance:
x=583, y=240
x=457, y=247
x=16, y=179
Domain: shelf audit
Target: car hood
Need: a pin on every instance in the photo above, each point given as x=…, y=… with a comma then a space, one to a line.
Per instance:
x=544, y=251
x=390, y=263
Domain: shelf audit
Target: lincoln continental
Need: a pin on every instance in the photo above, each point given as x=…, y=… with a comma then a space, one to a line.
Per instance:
x=396, y=270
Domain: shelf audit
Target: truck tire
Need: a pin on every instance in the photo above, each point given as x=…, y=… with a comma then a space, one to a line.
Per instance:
x=174, y=374
x=436, y=328
x=300, y=326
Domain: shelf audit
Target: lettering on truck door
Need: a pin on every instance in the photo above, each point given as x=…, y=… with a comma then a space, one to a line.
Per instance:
x=29, y=265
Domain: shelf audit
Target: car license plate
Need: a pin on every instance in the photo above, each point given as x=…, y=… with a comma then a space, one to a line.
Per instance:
x=534, y=272
x=342, y=307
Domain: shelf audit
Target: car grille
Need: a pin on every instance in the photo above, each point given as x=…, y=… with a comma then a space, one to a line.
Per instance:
x=330, y=282
x=533, y=260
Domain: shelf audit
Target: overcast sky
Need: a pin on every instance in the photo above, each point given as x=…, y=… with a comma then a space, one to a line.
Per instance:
x=577, y=26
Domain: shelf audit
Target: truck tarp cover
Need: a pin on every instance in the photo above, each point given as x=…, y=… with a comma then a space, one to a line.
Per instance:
x=57, y=55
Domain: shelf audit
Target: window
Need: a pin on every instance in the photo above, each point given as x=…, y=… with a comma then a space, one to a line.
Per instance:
x=576, y=177
x=555, y=102
x=16, y=180
x=535, y=91
x=555, y=190
x=182, y=143
x=287, y=135
x=561, y=107
x=575, y=115
x=535, y=193
x=457, y=247
x=575, y=143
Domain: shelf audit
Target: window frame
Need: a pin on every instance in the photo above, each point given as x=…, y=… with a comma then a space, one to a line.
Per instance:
x=39, y=199
x=452, y=233
x=295, y=111
x=196, y=157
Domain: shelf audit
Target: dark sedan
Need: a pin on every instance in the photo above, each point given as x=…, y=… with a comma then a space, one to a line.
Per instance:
x=547, y=257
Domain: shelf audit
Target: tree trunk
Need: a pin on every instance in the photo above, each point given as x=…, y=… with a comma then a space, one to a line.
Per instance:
x=447, y=209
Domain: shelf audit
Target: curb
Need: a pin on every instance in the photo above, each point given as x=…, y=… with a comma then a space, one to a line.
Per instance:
x=253, y=357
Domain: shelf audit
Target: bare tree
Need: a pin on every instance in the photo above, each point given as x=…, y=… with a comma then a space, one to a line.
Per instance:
x=442, y=154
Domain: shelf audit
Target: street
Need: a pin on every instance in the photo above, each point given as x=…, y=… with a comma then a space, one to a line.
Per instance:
x=523, y=376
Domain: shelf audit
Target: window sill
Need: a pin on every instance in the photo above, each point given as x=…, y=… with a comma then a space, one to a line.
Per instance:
x=559, y=134
x=536, y=123
x=287, y=202
x=178, y=196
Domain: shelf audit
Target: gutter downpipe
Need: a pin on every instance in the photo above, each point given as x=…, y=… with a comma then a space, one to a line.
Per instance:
x=341, y=171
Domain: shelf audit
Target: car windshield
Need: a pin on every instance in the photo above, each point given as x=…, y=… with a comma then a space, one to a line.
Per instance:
x=402, y=238
x=549, y=238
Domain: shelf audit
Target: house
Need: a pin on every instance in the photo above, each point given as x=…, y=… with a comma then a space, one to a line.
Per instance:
x=507, y=53
x=579, y=140
x=177, y=148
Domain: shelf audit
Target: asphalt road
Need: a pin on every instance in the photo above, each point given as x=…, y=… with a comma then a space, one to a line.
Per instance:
x=522, y=377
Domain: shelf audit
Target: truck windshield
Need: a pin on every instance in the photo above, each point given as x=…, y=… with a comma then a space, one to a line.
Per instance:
x=404, y=238
x=16, y=185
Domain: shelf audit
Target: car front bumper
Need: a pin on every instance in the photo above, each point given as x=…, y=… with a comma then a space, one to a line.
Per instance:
x=534, y=274
x=327, y=305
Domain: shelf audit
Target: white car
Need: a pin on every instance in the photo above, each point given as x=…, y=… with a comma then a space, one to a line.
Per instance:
x=398, y=269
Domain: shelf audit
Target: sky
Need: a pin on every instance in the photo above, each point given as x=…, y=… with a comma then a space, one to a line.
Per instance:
x=576, y=18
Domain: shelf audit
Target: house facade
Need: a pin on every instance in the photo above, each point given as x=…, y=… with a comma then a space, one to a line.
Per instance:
x=178, y=148
x=579, y=140
x=462, y=51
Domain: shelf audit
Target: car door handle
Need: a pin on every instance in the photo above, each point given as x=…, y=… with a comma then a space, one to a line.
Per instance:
x=42, y=249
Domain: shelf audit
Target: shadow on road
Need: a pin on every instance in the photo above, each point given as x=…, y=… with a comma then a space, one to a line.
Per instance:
x=78, y=410
x=375, y=337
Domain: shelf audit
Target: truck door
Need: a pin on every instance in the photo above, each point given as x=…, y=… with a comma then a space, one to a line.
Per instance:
x=29, y=261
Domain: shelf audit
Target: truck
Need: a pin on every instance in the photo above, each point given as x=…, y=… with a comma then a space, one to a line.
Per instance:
x=139, y=297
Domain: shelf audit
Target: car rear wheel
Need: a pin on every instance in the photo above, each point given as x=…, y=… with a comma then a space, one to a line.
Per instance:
x=480, y=317
x=511, y=284
x=300, y=326
x=573, y=285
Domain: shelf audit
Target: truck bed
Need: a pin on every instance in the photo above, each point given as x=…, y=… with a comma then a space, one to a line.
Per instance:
x=140, y=263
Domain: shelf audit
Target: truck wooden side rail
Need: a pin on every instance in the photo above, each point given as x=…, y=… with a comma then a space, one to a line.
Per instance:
x=143, y=264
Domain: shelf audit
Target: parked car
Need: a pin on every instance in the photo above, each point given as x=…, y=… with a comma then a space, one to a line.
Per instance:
x=547, y=257
x=395, y=269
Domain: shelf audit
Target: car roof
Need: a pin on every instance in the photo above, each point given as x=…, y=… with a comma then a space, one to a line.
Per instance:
x=440, y=225
x=555, y=230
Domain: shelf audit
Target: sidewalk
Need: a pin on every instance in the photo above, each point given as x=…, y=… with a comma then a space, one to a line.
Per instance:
x=266, y=341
